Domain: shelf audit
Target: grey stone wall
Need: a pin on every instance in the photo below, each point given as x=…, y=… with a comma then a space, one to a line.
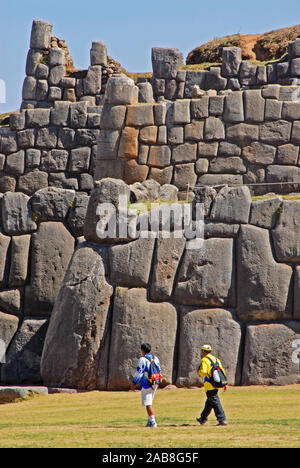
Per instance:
x=38, y=235
x=235, y=138
x=238, y=292
x=246, y=279
x=171, y=82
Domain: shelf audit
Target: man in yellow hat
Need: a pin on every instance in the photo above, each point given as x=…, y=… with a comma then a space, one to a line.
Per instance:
x=212, y=402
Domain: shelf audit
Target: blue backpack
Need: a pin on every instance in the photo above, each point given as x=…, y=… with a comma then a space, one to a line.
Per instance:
x=153, y=375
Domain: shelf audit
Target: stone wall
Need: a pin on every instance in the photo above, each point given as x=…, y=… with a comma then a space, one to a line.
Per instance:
x=50, y=74
x=234, y=138
x=38, y=235
x=239, y=292
x=171, y=81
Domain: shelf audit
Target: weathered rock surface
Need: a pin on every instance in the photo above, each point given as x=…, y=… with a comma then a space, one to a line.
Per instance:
x=269, y=354
x=263, y=285
x=24, y=354
x=106, y=191
x=80, y=321
x=135, y=320
x=232, y=205
x=52, y=248
x=8, y=327
x=16, y=214
x=221, y=329
x=166, y=259
x=130, y=264
x=206, y=276
x=51, y=203
x=286, y=235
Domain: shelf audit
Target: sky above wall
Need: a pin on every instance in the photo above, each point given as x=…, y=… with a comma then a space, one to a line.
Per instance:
x=129, y=29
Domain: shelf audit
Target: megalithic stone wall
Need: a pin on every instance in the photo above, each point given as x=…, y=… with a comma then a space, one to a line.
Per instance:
x=235, y=138
x=67, y=137
x=238, y=291
x=171, y=81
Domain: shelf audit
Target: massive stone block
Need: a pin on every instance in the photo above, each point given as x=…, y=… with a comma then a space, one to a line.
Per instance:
x=8, y=327
x=167, y=256
x=106, y=191
x=19, y=260
x=286, y=235
x=268, y=357
x=135, y=320
x=263, y=285
x=52, y=248
x=231, y=61
x=166, y=62
x=232, y=205
x=275, y=133
x=259, y=153
x=206, y=276
x=23, y=358
x=40, y=35
x=51, y=203
x=130, y=264
x=219, y=328
x=264, y=213
x=121, y=90
x=75, y=350
x=17, y=214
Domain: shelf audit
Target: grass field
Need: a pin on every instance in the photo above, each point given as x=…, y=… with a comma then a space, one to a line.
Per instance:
x=257, y=417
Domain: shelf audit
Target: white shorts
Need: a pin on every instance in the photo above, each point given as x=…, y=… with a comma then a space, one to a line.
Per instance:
x=148, y=395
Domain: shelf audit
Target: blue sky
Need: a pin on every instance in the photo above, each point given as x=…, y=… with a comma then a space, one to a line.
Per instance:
x=129, y=29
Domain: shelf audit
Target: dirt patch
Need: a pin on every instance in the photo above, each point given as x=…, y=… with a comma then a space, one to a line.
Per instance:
x=272, y=45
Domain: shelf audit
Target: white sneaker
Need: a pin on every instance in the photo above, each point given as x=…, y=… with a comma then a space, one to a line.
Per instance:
x=151, y=424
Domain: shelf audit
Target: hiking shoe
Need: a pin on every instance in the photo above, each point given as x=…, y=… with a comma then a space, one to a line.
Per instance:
x=152, y=424
x=222, y=423
x=201, y=422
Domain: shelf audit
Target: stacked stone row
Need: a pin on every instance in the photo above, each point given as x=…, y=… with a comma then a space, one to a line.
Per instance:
x=54, y=147
x=37, y=239
x=241, y=137
x=171, y=82
x=47, y=78
x=239, y=292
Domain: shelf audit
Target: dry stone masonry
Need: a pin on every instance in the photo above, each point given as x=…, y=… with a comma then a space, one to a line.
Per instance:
x=70, y=300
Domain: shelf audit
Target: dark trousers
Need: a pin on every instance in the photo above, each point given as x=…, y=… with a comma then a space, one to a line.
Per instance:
x=213, y=402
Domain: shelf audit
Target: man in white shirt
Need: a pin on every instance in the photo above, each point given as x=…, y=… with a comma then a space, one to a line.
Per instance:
x=140, y=377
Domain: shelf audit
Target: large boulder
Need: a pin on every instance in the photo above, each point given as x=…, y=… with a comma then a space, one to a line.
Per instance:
x=167, y=256
x=263, y=285
x=135, y=320
x=271, y=355
x=221, y=330
x=17, y=214
x=107, y=198
x=232, y=205
x=52, y=203
x=130, y=264
x=24, y=355
x=75, y=350
x=51, y=250
x=8, y=327
x=206, y=276
x=286, y=235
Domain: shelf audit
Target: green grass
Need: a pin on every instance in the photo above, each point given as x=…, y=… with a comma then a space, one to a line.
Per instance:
x=257, y=417
x=290, y=196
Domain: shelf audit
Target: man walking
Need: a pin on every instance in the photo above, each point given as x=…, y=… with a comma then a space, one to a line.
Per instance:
x=212, y=401
x=140, y=377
